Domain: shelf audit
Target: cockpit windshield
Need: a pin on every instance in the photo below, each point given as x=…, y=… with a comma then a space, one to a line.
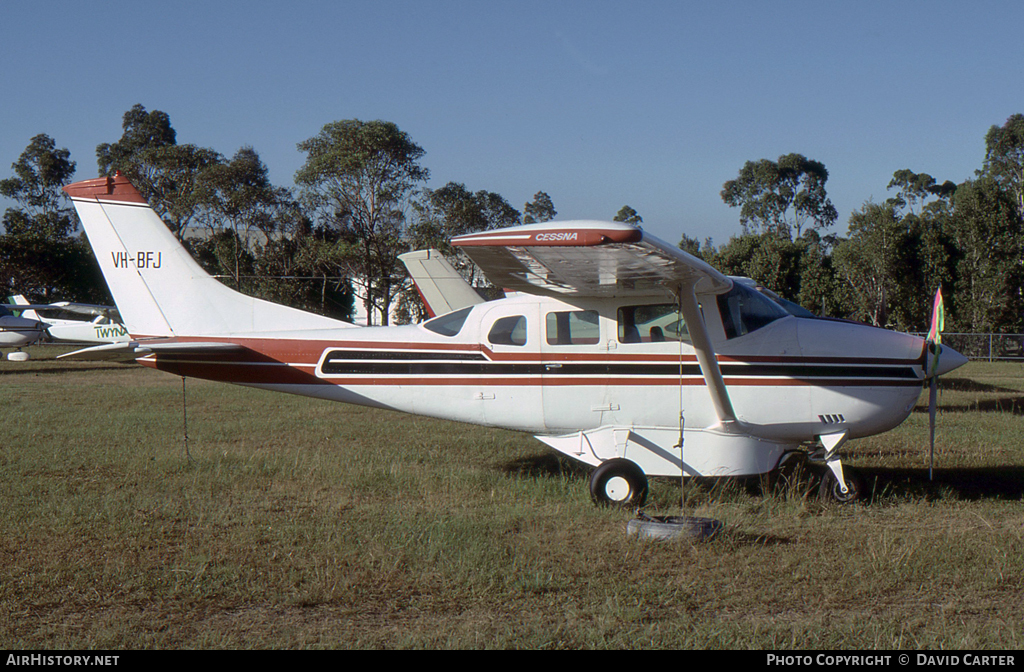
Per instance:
x=790, y=307
x=745, y=310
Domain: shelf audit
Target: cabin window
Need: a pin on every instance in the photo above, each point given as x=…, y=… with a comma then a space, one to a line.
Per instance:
x=573, y=327
x=508, y=331
x=656, y=323
x=745, y=310
x=449, y=324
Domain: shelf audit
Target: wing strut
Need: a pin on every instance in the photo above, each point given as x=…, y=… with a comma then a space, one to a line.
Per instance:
x=706, y=357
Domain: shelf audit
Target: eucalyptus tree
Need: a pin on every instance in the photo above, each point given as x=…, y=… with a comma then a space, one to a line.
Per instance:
x=989, y=234
x=358, y=179
x=169, y=175
x=242, y=209
x=40, y=174
x=39, y=256
x=540, y=209
x=914, y=189
x=766, y=258
x=1004, y=157
x=453, y=210
x=924, y=206
x=876, y=264
x=441, y=214
x=781, y=197
x=628, y=215
x=299, y=267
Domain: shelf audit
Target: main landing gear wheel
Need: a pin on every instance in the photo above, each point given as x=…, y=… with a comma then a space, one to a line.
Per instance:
x=619, y=483
x=830, y=489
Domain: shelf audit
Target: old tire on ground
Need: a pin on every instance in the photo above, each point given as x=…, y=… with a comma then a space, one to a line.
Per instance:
x=619, y=482
x=830, y=490
x=664, y=528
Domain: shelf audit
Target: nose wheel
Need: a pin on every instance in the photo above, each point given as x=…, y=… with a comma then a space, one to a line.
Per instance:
x=619, y=482
x=832, y=490
x=838, y=484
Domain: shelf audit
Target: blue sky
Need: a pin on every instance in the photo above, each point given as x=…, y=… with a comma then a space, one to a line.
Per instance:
x=600, y=104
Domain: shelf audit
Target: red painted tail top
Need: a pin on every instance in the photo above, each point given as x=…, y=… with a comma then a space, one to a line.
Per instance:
x=116, y=188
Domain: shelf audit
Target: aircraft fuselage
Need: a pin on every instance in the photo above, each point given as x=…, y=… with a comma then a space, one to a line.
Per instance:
x=506, y=365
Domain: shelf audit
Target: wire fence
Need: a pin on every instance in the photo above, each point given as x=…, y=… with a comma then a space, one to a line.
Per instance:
x=986, y=347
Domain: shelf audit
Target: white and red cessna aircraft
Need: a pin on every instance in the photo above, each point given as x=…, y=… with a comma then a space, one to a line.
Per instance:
x=616, y=349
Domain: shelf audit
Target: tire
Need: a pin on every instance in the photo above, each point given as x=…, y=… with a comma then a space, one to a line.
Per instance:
x=674, y=527
x=831, y=491
x=620, y=483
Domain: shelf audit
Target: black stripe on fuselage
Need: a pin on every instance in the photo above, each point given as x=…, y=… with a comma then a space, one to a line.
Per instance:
x=371, y=363
x=341, y=355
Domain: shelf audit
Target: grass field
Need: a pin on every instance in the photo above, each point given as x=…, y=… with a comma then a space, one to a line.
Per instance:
x=295, y=523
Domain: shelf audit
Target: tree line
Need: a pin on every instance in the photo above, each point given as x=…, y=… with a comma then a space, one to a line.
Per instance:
x=966, y=238
x=360, y=200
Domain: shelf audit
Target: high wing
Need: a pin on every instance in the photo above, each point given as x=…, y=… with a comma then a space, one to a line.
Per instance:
x=606, y=260
x=587, y=258
x=20, y=303
x=87, y=309
x=80, y=308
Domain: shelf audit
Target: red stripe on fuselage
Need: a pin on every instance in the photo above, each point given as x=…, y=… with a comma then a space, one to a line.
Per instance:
x=294, y=362
x=310, y=351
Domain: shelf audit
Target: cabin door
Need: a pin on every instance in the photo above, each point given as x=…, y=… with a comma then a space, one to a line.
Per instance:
x=509, y=394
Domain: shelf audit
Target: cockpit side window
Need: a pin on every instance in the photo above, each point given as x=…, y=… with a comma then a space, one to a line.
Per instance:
x=508, y=331
x=745, y=310
x=652, y=324
x=573, y=327
x=450, y=324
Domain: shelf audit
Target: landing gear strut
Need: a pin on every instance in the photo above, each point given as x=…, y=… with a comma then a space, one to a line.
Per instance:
x=838, y=484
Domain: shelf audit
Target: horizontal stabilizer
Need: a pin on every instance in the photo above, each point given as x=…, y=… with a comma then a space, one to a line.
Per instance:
x=131, y=350
x=120, y=352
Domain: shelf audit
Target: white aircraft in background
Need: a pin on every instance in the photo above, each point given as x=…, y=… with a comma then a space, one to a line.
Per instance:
x=617, y=349
x=104, y=327
x=17, y=332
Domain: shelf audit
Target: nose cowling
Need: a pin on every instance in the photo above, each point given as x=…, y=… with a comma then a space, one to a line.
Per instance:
x=942, y=359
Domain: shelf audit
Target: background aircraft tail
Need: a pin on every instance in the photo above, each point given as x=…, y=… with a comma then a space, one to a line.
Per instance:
x=157, y=286
x=439, y=284
x=19, y=299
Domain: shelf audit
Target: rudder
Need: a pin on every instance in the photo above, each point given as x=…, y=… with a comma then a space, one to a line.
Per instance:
x=158, y=287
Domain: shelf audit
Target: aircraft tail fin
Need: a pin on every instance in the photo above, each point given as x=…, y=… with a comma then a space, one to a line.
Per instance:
x=20, y=300
x=438, y=283
x=158, y=287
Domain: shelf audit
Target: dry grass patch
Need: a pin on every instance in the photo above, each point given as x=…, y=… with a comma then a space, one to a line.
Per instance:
x=295, y=523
